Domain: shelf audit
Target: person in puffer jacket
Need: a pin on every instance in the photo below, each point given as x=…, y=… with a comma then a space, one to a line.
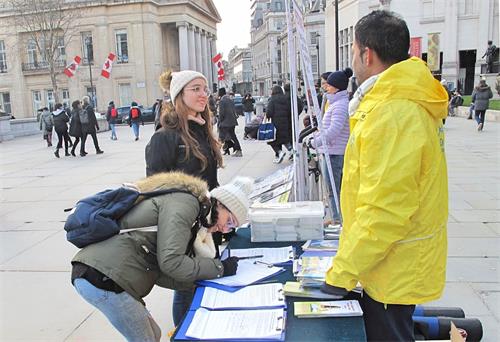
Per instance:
x=61, y=120
x=335, y=134
x=115, y=275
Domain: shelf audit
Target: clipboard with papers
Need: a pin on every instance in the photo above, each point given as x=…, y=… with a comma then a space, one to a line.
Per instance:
x=258, y=296
x=233, y=325
x=248, y=273
x=278, y=256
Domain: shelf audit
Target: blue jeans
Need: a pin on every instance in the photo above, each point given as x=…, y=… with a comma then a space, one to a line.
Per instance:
x=135, y=128
x=337, y=162
x=123, y=311
x=113, y=131
x=182, y=301
x=248, y=117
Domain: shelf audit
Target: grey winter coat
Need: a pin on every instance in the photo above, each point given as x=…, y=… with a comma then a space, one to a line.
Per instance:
x=138, y=260
x=227, y=112
x=481, y=97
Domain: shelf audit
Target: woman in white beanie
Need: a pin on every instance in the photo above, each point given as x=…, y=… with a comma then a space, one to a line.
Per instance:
x=115, y=275
x=185, y=142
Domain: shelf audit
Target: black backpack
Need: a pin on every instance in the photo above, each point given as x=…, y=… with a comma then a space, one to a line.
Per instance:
x=95, y=218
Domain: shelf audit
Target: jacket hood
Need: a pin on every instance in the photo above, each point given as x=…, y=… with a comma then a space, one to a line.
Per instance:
x=483, y=88
x=409, y=80
x=177, y=180
x=58, y=111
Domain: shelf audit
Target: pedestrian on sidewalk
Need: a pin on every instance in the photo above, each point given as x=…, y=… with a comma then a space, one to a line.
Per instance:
x=46, y=125
x=61, y=120
x=135, y=116
x=89, y=126
x=481, y=97
x=185, y=142
x=175, y=256
x=228, y=120
x=111, y=116
x=279, y=111
x=75, y=127
x=248, y=106
x=335, y=132
x=395, y=189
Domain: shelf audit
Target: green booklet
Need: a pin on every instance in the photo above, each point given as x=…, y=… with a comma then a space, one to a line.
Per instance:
x=337, y=308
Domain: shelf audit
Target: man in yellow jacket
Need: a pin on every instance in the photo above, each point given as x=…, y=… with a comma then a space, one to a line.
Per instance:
x=395, y=188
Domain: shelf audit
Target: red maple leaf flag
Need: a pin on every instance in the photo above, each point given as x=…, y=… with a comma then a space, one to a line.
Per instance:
x=108, y=65
x=216, y=58
x=71, y=68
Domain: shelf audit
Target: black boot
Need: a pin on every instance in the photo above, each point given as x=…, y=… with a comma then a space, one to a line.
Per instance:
x=56, y=153
x=73, y=152
x=66, y=154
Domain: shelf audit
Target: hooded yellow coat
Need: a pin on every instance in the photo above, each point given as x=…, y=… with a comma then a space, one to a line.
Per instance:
x=395, y=190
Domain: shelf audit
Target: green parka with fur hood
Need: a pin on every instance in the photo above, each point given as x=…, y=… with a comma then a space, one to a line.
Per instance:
x=137, y=260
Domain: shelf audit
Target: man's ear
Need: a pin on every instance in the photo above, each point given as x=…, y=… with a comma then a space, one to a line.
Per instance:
x=369, y=56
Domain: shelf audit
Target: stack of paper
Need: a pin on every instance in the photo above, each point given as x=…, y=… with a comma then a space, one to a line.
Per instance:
x=311, y=270
x=295, y=289
x=339, y=308
x=272, y=256
x=294, y=221
x=321, y=245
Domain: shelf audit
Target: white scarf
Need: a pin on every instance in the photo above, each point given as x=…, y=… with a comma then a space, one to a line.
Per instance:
x=204, y=246
x=362, y=90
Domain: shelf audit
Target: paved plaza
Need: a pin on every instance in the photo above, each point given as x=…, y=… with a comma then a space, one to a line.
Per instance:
x=39, y=303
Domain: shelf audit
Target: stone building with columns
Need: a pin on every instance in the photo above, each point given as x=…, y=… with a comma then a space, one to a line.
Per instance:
x=464, y=27
x=146, y=36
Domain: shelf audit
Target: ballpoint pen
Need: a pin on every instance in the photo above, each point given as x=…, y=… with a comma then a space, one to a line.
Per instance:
x=250, y=257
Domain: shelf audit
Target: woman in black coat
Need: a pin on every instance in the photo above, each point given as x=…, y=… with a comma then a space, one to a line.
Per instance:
x=75, y=126
x=278, y=110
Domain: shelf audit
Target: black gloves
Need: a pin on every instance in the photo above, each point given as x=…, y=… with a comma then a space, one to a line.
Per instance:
x=334, y=290
x=230, y=266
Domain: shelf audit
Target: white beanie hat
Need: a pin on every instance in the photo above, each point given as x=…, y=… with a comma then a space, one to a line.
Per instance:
x=179, y=81
x=234, y=196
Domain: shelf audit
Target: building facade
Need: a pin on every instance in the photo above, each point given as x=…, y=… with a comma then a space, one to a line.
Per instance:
x=268, y=22
x=240, y=62
x=146, y=36
x=314, y=25
x=464, y=27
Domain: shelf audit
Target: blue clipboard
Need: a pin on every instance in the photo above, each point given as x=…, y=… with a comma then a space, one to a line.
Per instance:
x=181, y=332
x=200, y=291
x=227, y=288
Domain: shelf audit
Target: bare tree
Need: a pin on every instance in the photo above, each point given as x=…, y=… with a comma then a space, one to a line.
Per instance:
x=48, y=26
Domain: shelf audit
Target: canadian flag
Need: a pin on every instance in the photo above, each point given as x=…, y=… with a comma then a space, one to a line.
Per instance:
x=108, y=65
x=71, y=68
x=217, y=60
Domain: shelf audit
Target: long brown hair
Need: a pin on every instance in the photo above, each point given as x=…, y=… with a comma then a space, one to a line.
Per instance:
x=176, y=118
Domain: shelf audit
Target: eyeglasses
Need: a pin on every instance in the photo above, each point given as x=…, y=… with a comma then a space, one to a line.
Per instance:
x=200, y=90
x=231, y=221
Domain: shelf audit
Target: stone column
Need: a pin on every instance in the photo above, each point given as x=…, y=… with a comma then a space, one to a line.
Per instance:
x=208, y=61
x=183, y=46
x=449, y=43
x=204, y=54
x=192, y=50
x=197, y=40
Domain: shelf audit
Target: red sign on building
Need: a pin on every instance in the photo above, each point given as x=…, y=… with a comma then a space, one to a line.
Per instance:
x=416, y=47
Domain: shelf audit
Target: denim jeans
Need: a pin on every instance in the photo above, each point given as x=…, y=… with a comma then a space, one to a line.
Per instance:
x=135, y=128
x=337, y=162
x=248, y=117
x=123, y=311
x=182, y=301
x=480, y=114
x=113, y=131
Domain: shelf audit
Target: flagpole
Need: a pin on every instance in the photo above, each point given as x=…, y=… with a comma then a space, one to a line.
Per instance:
x=94, y=99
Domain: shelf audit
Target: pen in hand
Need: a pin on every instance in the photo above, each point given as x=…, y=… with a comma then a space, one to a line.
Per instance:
x=250, y=257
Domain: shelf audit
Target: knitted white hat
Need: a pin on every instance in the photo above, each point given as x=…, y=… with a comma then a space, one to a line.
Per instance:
x=180, y=79
x=234, y=196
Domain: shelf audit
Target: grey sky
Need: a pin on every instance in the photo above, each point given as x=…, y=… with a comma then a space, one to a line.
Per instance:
x=235, y=26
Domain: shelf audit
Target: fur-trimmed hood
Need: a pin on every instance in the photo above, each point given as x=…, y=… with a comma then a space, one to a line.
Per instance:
x=178, y=180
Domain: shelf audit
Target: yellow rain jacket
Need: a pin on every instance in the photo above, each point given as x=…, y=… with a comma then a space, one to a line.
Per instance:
x=395, y=190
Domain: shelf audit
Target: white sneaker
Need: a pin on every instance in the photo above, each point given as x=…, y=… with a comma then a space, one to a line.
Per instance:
x=281, y=157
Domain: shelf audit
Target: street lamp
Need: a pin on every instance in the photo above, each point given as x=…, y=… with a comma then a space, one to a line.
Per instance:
x=317, y=54
x=88, y=41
